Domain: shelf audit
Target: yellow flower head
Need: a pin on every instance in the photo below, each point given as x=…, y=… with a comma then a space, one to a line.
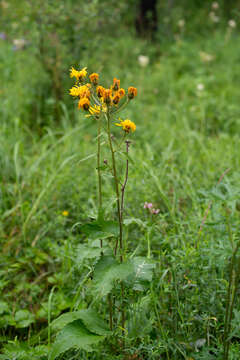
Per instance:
x=121, y=92
x=100, y=91
x=127, y=125
x=81, y=91
x=79, y=75
x=116, y=84
x=84, y=103
x=132, y=92
x=84, y=91
x=94, y=78
x=74, y=91
x=65, y=213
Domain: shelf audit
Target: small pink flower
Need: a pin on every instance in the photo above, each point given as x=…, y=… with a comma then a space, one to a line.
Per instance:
x=147, y=205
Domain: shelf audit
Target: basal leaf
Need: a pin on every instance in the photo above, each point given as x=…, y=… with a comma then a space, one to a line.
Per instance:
x=74, y=335
x=64, y=319
x=92, y=321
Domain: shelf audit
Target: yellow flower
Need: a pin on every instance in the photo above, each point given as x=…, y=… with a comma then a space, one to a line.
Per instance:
x=132, y=92
x=65, y=213
x=79, y=75
x=95, y=110
x=74, y=91
x=81, y=91
x=84, y=103
x=84, y=91
x=94, y=78
x=127, y=125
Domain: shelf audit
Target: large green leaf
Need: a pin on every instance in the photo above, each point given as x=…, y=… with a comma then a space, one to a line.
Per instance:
x=94, y=323
x=87, y=252
x=107, y=271
x=89, y=317
x=100, y=229
x=74, y=335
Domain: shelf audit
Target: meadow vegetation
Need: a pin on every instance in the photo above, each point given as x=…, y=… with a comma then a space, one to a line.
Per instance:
x=182, y=301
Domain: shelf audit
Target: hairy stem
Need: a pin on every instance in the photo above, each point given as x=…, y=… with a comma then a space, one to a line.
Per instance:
x=125, y=181
x=114, y=170
x=99, y=173
x=119, y=211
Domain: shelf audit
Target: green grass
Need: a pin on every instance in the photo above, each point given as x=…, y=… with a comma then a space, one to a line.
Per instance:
x=185, y=140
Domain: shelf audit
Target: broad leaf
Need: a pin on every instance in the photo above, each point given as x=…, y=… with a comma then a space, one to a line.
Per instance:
x=107, y=271
x=87, y=252
x=89, y=317
x=74, y=335
x=100, y=229
x=64, y=319
x=94, y=323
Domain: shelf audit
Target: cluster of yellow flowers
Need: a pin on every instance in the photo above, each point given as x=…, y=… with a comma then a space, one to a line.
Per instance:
x=95, y=99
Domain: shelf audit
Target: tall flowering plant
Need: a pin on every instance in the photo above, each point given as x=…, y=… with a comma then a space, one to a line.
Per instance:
x=114, y=273
x=104, y=103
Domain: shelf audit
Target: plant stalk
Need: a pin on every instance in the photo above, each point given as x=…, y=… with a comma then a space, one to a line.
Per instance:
x=120, y=215
x=99, y=173
x=114, y=170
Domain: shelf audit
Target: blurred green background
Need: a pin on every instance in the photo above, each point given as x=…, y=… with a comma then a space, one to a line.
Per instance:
x=184, y=58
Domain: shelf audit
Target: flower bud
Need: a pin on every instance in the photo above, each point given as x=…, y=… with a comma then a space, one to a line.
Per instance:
x=107, y=96
x=116, y=84
x=100, y=91
x=116, y=99
x=94, y=78
x=132, y=92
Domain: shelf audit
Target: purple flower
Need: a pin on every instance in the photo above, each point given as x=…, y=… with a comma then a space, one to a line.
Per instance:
x=147, y=205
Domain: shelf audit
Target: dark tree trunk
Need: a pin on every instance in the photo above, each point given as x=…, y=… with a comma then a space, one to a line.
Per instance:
x=231, y=7
x=146, y=22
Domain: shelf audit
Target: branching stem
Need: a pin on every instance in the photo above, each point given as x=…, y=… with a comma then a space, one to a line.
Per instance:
x=114, y=171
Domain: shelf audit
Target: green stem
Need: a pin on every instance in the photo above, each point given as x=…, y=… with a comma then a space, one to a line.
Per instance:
x=122, y=106
x=114, y=170
x=119, y=211
x=99, y=173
